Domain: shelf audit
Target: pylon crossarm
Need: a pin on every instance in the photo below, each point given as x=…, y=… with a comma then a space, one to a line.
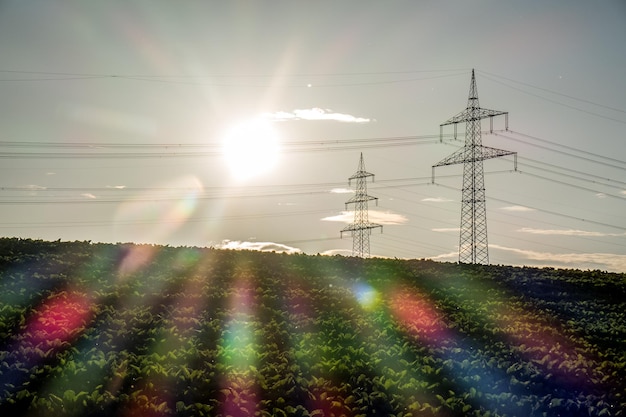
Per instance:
x=484, y=113
x=489, y=153
x=361, y=199
x=473, y=114
x=360, y=174
x=480, y=153
x=353, y=227
x=456, y=158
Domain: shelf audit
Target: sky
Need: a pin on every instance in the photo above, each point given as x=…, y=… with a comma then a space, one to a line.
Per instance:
x=237, y=124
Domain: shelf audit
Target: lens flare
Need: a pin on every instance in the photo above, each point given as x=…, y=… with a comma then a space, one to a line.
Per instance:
x=238, y=352
x=59, y=320
x=151, y=219
x=366, y=295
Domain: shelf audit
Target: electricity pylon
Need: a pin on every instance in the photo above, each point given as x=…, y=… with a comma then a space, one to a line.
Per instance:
x=473, y=237
x=361, y=228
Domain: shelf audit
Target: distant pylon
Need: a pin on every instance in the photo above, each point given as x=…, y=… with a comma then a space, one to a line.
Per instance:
x=473, y=246
x=361, y=228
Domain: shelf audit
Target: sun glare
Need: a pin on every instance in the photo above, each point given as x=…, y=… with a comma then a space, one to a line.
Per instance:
x=251, y=148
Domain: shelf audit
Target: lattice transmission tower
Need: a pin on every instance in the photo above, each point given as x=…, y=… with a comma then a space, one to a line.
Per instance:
x=361, y=228
x=473, y=246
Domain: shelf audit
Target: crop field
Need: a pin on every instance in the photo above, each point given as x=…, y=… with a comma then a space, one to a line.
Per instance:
x=141, y=330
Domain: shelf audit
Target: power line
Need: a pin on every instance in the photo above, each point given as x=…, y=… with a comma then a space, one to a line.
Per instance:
x=581, y=219
x=597, y=177
x=210, y=193
x=605, y=180
x=554, y=224
x=196, y=150
x=243, y=217
x=212, y=145
x=572, y=185
x=553, y=92
x=589, y=158
x=230, y=75
x=412, y=215
x=255, y=216
x=41, y=76
x=279, y=190
x=563, y=104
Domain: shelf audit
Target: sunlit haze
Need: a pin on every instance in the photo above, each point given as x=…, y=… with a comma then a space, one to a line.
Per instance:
x=238, y=124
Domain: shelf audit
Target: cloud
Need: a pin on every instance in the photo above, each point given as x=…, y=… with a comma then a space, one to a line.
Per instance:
x=33, y=187
x=333, y=252
x=315, y=113
x=348, y=252
x=116, y=187
x=446, y=229
x=345, y=217
x=88, y=195
x=374, y=216
x=341, y=191
x=256, y=246
x=604, y=261
x=566, y=232
x=517, y=208
x=450, y=256
x=436, y=199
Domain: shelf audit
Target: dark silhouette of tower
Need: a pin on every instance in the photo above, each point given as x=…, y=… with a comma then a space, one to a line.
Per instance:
x=473, y=246
x=361, y=228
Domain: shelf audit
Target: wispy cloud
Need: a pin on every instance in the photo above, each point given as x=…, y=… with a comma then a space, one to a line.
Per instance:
x=342, y=191
x=333, y=252
x=374, y=216
x=450, y=256
x=88, y=195
x=256, y=246
x=33, y=187
x=446, y=229
x=436, y=199
x=315, y=113
x=566, y=232
x=604, y=261
x=348, y=252
x=116, y=187
x=517, y=208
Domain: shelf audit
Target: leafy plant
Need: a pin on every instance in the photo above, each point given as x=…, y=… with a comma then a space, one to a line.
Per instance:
x=215, y=333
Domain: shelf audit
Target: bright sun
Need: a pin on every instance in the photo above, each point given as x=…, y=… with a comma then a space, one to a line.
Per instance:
x=251, y=148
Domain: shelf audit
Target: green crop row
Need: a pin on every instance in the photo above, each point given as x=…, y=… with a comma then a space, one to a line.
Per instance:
x=98, y=329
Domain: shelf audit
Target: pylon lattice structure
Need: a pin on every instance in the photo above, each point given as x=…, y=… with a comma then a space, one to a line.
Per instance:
x=473, y=247
x=361, y=228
